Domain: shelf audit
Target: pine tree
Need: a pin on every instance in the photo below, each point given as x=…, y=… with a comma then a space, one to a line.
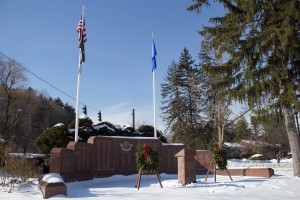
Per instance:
x=182, y=99
x=263, y=44
x=58, y=102
x=70, y=111
x=186, y=76
x=242, y=129
x=271, y=124
x=172, y=103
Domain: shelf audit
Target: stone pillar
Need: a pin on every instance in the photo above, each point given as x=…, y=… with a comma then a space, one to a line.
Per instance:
x=186, y=166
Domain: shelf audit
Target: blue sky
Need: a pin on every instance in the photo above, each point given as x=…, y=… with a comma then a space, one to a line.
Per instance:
x=117, y=74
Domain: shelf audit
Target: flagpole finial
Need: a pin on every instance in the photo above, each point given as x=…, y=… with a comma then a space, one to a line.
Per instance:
x=152, y=34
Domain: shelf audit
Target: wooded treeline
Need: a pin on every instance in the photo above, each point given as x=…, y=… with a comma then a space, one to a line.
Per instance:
x=24, y=112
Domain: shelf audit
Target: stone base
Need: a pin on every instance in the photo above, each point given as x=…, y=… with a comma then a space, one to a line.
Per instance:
x=259, y=172
x=51, y=189
x=186, y=166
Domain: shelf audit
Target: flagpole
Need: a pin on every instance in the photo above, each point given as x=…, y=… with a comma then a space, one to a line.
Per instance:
x=153, y=81
x=154, y=103
x=77, y=101
x=78, y=83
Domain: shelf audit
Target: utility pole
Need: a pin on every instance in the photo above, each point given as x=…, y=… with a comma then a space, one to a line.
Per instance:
x=133, y=119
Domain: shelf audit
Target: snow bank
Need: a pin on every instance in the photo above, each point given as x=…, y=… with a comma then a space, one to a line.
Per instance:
x=52, y=178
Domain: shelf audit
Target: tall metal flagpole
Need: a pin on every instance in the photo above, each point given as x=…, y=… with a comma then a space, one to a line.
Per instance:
x=77, y=101
x=154, y=103
x=153, y=81
x=78, y=81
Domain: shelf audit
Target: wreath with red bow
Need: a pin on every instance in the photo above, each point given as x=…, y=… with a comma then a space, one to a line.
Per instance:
x=147, y=159
x=219, y=157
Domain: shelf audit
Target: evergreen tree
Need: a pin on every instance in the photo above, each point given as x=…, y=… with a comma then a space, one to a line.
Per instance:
x=58, y=101
x=262, y=39
x=182, y=99
x=172, y=103
x=70, y=111
x=186, y=76
x=242, y=129
x=271, y=126
x=148, y=131
x=56, y=136
x=86, y=128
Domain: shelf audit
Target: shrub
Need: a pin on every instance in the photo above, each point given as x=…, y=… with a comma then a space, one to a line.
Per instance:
x=85, y=134
x=148, y=131
x=85, y=130
x=85, y=122
x=2, y=154
x=16, y=169
x=56, y=136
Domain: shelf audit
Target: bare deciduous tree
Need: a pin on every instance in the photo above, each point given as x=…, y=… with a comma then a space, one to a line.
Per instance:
x=11, y=76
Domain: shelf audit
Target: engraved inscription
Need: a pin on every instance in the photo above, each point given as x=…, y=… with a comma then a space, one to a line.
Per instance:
x=126, y=146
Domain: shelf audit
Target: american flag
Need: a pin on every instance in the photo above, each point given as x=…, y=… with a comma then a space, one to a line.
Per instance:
x=82, y=38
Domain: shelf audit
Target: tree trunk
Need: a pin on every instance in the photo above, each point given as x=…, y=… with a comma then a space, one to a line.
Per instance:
x=293, y=139
x=220, y=127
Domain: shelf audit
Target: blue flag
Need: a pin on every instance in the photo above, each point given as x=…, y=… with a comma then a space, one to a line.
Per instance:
x=153, y=56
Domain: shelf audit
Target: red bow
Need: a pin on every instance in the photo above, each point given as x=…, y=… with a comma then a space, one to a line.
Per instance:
x=146, y=152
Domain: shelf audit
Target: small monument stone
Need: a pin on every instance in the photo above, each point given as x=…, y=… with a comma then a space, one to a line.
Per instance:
x=186, y=166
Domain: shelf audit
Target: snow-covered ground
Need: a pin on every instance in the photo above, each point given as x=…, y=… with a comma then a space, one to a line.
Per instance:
x=236, y=163
x=283, y=185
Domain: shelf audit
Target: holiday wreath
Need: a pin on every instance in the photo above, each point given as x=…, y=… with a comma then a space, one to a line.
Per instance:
x=147, y=159
x=220, y=157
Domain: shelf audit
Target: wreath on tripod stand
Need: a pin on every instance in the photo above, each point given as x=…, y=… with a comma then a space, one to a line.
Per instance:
x=219, y=157
x=147, y=159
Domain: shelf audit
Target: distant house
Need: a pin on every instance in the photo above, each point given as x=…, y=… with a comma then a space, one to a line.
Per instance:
x=246, y=148
x=254, y=145
x=268, y=150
